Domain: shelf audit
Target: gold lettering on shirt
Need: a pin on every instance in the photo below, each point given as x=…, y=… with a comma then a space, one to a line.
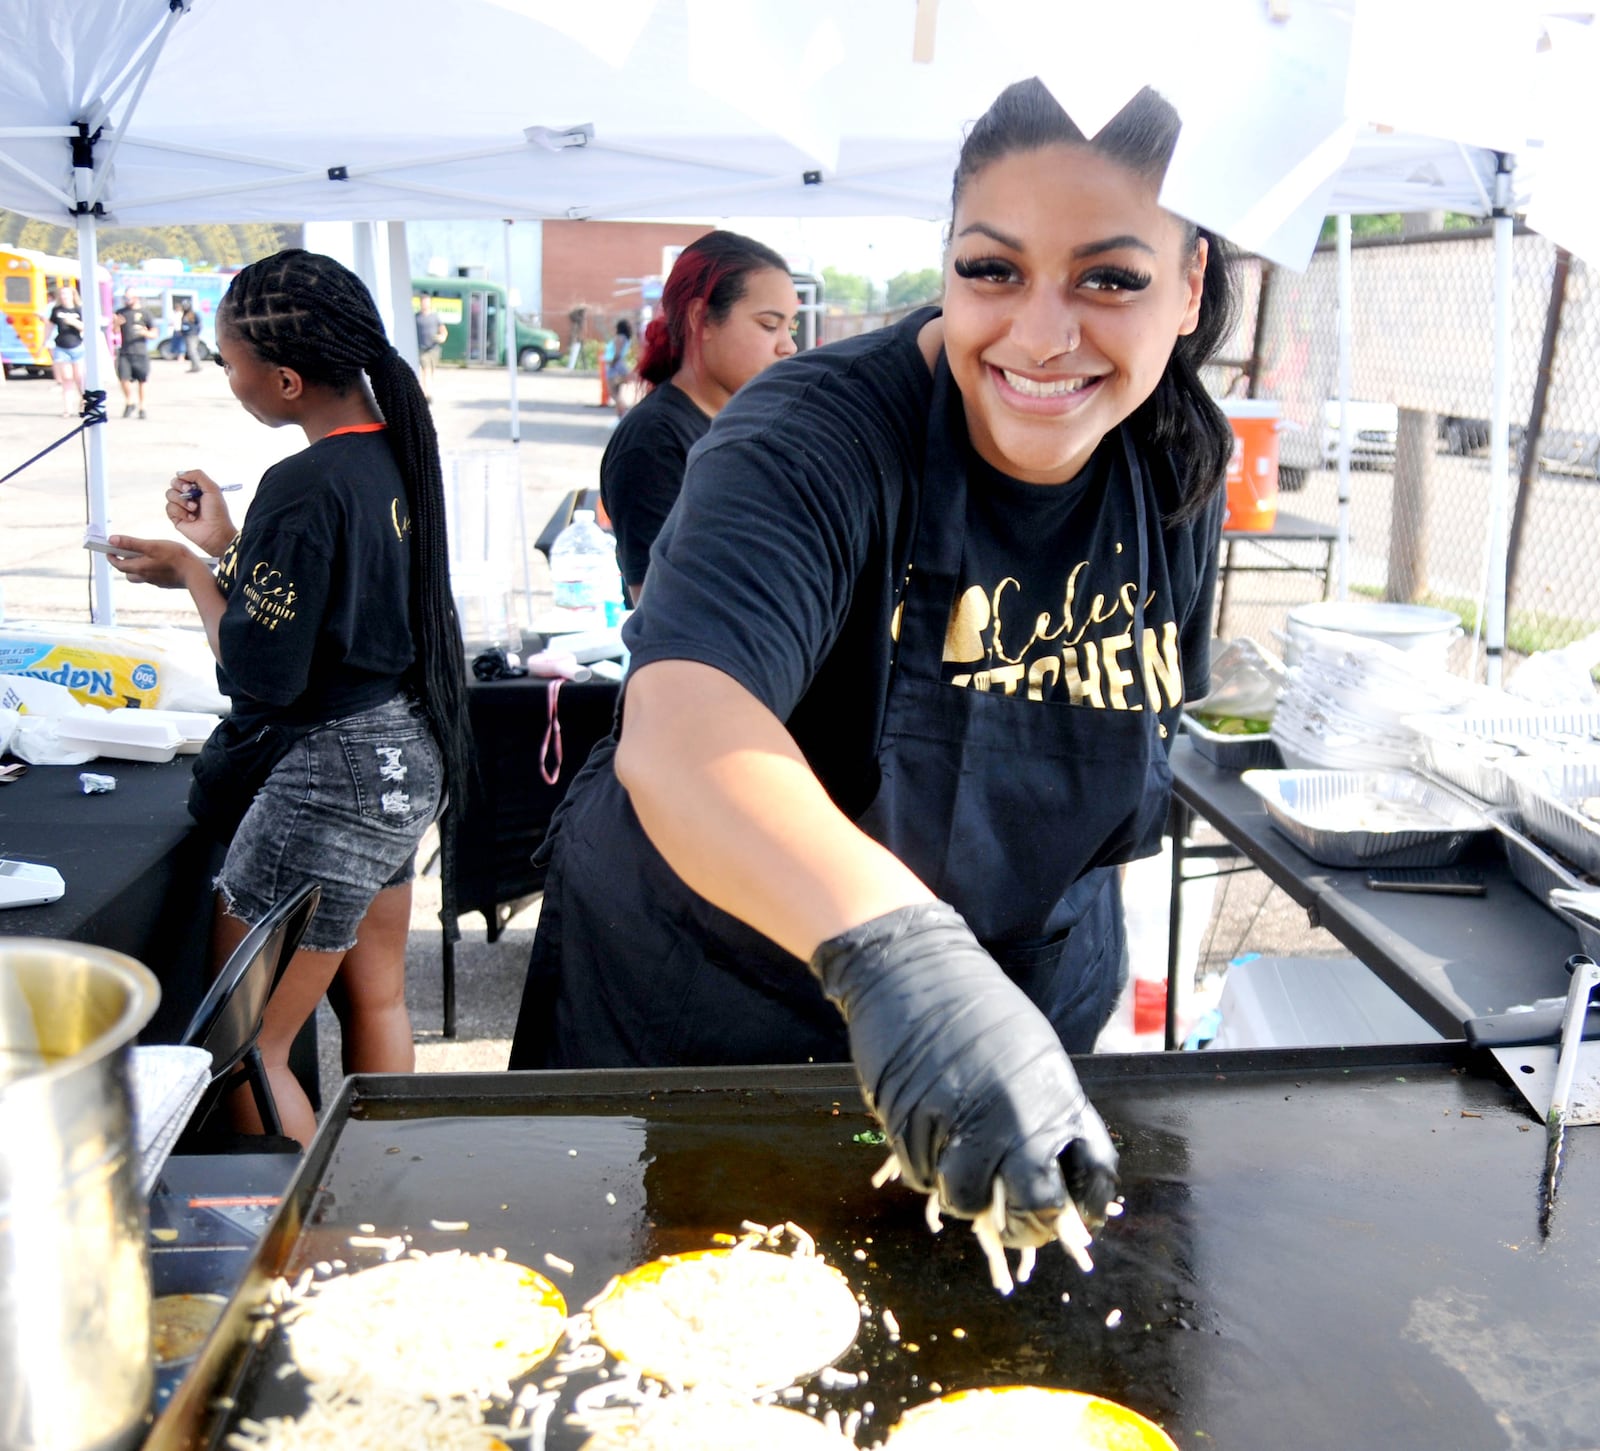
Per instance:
x=963, y=636
x=1161, y=666
x=400, y=521
x=1088, y=655
x=1118, y=678
x=1083, y=680
x=1043, y=666
x=269, y=598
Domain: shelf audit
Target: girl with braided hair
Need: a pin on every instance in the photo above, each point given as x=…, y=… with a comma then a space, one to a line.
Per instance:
x=336, y=638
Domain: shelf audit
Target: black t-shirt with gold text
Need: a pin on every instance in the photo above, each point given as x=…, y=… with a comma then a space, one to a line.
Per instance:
x=318, y=581
x=783, y=559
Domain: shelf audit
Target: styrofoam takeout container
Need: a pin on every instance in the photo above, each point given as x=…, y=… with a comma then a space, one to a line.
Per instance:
x=193, y=726
x=1341, y=818
x=125, y=739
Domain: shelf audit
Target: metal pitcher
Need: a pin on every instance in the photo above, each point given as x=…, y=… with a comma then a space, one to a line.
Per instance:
x=75, y=1367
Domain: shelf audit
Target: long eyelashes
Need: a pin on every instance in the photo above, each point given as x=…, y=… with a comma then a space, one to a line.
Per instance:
x=1117, y=279
x=1101, y=279
x=982, y=269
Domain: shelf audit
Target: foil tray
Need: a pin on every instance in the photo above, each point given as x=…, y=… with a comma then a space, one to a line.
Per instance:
x=1546, y=794
x=1313, y=809
x=1232, y=753
x=1376, y=1182
x=1453, y=745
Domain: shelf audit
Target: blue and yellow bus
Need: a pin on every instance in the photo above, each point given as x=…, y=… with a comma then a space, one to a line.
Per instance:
x=28, y=283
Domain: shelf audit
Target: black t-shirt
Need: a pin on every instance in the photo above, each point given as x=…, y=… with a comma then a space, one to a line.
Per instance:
x=68, y=323
x=135, y=325
x=318, y=620
x=641, y=471
x=780, y=564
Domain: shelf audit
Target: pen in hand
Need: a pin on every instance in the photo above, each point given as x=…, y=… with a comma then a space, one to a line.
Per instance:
x=194, y=491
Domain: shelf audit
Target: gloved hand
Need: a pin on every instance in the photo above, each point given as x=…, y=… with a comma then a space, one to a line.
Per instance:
x=966, y=1076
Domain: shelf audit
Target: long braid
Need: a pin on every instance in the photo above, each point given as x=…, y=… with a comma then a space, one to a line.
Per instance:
x=301, y=310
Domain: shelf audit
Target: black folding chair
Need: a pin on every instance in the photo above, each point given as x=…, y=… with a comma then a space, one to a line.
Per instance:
x=227, y=1024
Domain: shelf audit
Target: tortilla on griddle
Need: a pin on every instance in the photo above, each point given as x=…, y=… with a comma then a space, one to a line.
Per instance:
x=676, y=1422
x=441, y=1325
x=1025, y=1415
x=744, y=1319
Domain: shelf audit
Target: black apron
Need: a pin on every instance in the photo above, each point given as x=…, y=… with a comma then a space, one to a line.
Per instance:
x=1014, y=811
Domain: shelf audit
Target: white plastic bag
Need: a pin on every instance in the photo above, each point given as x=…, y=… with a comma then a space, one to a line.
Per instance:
x=1558, y=677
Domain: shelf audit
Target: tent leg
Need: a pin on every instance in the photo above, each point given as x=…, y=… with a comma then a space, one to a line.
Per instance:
x=102, y=611
x=1499, y=434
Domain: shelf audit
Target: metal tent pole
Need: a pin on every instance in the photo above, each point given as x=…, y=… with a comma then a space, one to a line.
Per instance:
x=1499, y=430
x=101, y=609
x=1346, y=348
x=509, y=323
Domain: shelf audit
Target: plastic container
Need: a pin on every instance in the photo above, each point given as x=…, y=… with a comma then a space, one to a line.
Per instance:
x=1252, y=481
x=584, y=579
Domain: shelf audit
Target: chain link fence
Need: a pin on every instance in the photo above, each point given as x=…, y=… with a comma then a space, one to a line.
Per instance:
x=1422, y=328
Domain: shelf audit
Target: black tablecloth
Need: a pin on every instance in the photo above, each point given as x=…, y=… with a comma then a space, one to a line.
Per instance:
x=510, y=802
x=137, y=872
x=138, y=875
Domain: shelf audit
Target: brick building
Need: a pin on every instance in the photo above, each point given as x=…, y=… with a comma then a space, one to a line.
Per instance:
x=584, y=263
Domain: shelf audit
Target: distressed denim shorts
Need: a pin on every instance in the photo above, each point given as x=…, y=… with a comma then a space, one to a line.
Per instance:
x=344, y=808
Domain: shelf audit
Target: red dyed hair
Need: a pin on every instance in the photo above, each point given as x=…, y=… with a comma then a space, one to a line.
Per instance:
x=713, y=269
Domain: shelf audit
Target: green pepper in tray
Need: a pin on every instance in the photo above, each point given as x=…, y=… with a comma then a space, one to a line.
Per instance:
x=1233, y=725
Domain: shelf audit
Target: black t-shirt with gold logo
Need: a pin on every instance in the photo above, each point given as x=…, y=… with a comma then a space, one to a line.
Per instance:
x=781, y=563
x=318, y=581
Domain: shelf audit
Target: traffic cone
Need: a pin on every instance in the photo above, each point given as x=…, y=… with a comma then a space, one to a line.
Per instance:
x=605, y=393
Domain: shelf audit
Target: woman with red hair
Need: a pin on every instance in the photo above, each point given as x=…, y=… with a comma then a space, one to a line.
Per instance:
x=727, y=313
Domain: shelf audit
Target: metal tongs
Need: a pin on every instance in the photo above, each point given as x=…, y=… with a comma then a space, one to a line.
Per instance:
x=1543, y=1055
x=1566, y=1105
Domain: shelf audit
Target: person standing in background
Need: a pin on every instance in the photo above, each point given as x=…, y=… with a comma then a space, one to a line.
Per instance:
x=135, y=327
x=431, y=333
x=189, y=328
x=728, y=312
x=616, y=363
x=66, y=353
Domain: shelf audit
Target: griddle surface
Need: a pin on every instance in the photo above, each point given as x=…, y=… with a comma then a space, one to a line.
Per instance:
x=1313, y=1256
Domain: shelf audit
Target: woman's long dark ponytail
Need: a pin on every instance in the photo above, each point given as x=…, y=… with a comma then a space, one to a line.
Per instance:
x=1180, y=416
x=304, y=311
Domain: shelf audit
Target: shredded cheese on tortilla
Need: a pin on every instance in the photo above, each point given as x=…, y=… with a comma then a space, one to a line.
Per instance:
x=441, y=1325
x=744, y=1318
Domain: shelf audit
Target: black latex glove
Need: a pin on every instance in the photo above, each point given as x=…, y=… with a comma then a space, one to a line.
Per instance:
x=966, y=1076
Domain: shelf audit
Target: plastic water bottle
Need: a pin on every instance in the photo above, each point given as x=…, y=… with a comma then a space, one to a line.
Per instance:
x=583, y=574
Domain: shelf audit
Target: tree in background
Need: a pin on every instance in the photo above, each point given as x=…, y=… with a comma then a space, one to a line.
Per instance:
x=846, y=290
x=907, y=289
x=209, y=244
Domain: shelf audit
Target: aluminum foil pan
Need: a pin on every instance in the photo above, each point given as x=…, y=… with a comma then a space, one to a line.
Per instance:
x=1232, y=753
x=1548, y=794
x=1367, y=818
x=1534, y=868
x=1468, y=751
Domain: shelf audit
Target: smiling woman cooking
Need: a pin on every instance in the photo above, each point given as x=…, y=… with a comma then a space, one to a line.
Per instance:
x=916, y=641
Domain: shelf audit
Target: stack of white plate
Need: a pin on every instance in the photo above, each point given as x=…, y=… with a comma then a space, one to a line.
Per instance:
x=1343, y=705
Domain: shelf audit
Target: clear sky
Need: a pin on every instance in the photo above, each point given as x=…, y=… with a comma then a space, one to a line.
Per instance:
x=874, y=247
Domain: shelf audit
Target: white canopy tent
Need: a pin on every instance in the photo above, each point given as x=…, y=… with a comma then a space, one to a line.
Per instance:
x=149, y=111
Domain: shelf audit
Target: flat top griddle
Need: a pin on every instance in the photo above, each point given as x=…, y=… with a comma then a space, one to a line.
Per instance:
x=1321, y=1249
